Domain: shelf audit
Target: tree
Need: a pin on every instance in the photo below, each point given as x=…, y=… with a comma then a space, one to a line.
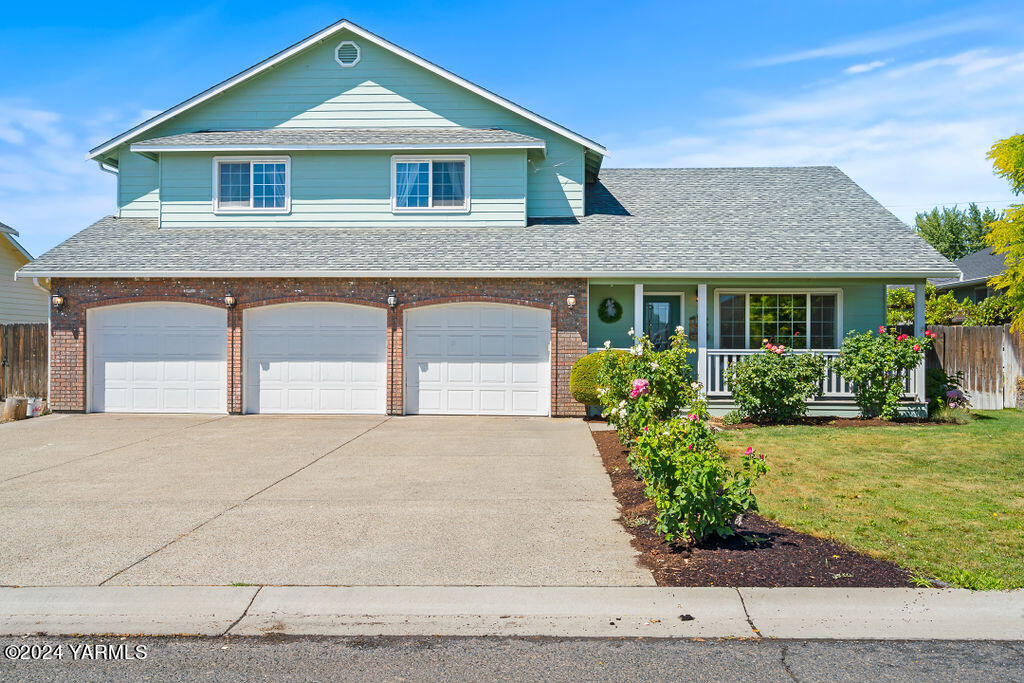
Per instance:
x=955, y=233
x=1007, y=233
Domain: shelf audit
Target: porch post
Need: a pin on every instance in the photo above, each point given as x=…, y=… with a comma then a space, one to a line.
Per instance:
x=702, y=334
x=919, y=327
x=638, y=309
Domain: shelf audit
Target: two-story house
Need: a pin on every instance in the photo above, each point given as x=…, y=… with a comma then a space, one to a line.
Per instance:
x=347, y=227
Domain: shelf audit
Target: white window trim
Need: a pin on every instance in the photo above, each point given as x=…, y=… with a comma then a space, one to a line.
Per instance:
x=838, y=292
x=403, y=158
x=218, y=160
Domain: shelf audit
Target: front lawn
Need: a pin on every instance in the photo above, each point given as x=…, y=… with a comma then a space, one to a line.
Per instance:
x=944, y=501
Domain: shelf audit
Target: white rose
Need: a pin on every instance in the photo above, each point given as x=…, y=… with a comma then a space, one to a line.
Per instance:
x=654, y=366
x=679, y=329
x=631, y=333
x=607, y=344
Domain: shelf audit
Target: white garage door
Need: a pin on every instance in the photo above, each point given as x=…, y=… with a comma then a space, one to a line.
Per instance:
x=472, y=359
x=157, y=358
x=315, y=358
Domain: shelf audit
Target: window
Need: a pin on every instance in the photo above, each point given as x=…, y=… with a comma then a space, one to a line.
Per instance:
x=797, y=320
x=251, y=185
x=435, y=184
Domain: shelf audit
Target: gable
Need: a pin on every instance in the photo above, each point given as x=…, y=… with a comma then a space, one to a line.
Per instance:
x=328, y=40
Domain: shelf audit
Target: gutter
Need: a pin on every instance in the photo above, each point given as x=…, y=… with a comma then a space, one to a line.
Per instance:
x=391, y=273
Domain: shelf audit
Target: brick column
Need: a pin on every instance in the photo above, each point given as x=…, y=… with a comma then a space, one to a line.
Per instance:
x=395, y=376
x=234, y=361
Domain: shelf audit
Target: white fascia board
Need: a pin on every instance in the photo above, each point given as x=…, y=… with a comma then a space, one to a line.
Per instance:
x=143, y=147
x=324, y=34
x=687, y=275
x=964, y=283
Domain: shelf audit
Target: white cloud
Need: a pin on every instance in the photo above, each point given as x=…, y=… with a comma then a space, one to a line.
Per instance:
x=48, y=190
x=866, y=67
x=891, y=38
x=913, y=137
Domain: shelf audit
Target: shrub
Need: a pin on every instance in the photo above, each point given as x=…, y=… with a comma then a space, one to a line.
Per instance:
x=644, y=386
x=774, y=386
x=583, y=377
x=946, y=310
x=733, y=417
x=945, y=391
x=995, y=310
x=876, y=366
x=696, y=492
x=899, y=306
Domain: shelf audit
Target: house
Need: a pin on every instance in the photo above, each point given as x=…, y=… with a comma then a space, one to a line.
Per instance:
x=347, y=227
x=975, y=271
x=23, y=300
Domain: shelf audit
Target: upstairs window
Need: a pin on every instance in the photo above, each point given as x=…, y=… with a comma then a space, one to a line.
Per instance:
x=796, y=320
x=430, y=184
x=251, y=185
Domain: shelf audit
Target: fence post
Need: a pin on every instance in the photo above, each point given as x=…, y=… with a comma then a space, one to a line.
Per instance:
x=702, y=335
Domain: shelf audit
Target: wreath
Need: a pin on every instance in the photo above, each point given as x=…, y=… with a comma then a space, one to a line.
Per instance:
x=610, y=311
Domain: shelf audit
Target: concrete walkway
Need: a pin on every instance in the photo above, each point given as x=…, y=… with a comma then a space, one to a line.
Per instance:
x=798, y=613
x=327, y=500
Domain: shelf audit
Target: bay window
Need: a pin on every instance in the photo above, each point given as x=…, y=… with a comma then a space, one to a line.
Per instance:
x=797, y=320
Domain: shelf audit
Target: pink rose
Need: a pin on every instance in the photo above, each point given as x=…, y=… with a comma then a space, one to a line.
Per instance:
x=640, y=386
x=902, y=337
x=693, y=417
x=881, y=329
x=917, y=347
x=750, y=450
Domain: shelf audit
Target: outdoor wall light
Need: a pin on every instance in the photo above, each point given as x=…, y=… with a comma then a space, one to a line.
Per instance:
x=57, y=300
x=570, y=301
x=392, y=299
x=229, y=300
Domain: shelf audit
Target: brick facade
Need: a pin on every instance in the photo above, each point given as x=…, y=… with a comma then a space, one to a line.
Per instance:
x=67, y=343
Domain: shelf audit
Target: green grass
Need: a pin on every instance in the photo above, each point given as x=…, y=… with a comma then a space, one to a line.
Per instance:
x=945, y=501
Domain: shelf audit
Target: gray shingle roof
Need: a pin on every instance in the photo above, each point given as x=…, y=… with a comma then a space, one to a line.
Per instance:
x=976, y=267
x=442, y=137
x=808, y=221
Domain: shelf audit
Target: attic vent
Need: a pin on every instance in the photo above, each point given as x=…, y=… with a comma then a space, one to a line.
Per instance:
x=347, y=54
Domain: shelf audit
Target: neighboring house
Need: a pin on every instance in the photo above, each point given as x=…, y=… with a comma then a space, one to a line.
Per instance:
x=975, y=271
x=23, y=300
x=346, y=227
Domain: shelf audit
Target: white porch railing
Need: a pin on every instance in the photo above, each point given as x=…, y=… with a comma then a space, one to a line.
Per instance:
x=833, y=386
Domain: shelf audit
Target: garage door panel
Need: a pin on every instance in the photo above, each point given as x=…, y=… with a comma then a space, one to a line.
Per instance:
x=315, y=358
x=465, y=359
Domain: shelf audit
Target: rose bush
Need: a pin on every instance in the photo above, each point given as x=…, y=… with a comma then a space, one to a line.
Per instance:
x=659, y=412
x=774, y=386
x=695, y=490
x=876, y=366
x=645, y=385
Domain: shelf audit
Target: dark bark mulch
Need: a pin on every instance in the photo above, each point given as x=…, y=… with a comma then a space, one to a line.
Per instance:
x=762, y=554
x=827, y=421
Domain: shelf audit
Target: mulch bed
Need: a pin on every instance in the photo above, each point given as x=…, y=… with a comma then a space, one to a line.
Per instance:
x=762, y=554
x=827, y=421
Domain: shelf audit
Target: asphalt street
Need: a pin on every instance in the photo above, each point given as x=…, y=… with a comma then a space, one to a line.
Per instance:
x=489, y=659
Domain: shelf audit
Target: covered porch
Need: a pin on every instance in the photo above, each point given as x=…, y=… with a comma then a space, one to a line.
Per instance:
x=725, y=321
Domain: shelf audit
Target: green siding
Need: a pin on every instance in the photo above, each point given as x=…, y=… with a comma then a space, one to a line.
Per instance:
x=863, y=302
x=344, y=189
x=137, y=186
x=383, y=91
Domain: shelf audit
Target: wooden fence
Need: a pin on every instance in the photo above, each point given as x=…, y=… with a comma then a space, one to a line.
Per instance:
x=990, y=358
x=23, y=358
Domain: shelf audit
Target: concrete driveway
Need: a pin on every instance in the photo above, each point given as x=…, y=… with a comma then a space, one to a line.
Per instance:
x=201, y=500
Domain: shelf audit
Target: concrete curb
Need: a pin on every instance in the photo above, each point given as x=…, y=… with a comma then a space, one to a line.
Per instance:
x=832, y=613
x=135, y=610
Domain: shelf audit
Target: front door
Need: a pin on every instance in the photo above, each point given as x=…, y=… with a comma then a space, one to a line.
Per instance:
x=661, y=317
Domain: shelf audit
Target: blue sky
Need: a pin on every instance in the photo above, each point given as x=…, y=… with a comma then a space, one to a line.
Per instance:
x=906, y=97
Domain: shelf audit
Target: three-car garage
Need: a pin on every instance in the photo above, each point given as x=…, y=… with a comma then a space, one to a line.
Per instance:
x=320, y=357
